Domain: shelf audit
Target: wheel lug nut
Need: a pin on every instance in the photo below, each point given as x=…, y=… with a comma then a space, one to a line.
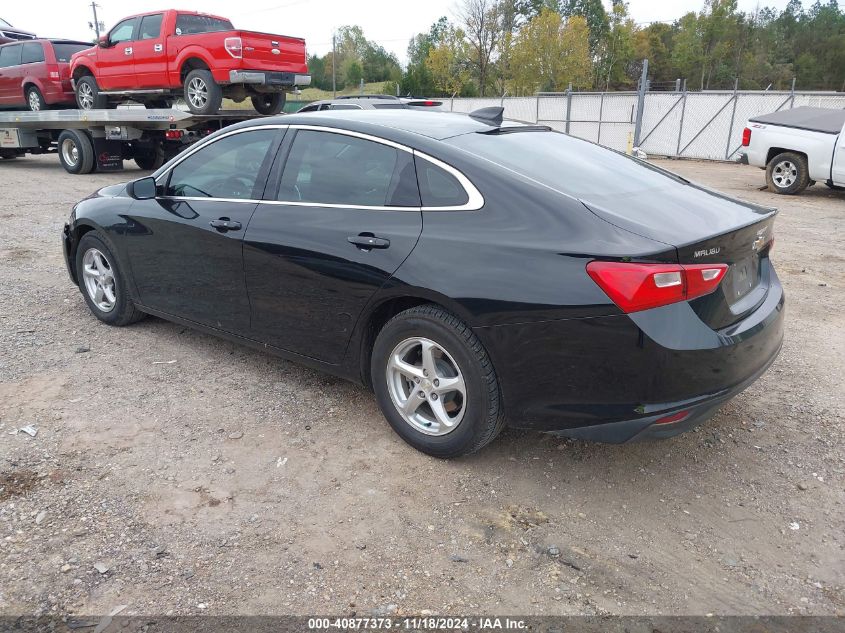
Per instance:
x=425, y=372
x=434, y=396
x=422, y=394
x=417, y=379
x=436, y=382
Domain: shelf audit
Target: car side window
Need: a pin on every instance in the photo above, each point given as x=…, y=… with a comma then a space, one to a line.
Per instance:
x=333, y=168
x=150, y=27
x=10, y=56
x=228, y=168
x=32, y=53
x=311, y=108
x=123, y=31
x=343, y=106
x=439, y=188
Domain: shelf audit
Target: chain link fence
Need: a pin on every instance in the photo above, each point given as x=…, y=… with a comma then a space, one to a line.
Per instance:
x=705, y=125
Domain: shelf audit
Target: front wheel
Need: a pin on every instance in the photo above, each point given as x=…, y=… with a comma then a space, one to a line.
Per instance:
x=788, y=173
x=102, y=283
x=202, y=94
x=435, y=384
x=270, y=103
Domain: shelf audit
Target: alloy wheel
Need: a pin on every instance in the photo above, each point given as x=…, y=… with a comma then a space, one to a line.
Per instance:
x=34, y=101
x=70, y=152
x=785, y=174
x=98, y=274
x=426, y=386
x=198, y=93
x=86, y=96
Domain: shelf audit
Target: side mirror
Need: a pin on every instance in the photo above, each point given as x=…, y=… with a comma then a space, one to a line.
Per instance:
x=142, y=189
x=103, y=41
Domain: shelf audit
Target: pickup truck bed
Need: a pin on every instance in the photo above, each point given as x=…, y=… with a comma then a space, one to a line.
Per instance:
x=811, y=119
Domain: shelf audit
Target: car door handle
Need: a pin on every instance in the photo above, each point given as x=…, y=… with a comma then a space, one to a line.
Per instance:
x=368, y=241
x=158, y=48
x=225, y=224
x=127, y=50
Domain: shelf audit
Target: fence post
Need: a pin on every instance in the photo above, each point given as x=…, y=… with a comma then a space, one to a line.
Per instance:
x=733, y=116
x=681, y=125
x=792, y=94
x=641, y=90
x=568, y=106
x=601, y=114
x=537, y=111
x=678, y=84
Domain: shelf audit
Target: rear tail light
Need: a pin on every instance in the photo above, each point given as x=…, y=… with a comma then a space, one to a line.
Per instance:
x=54, y=71
x=173, y=135
x=746, y=137
x=634, y=287
x=234, y=46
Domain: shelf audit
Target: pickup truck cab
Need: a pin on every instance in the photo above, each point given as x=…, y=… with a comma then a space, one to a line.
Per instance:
x=156, y=57
x=797, y=148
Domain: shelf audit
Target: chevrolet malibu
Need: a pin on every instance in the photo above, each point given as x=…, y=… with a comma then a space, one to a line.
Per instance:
x=473, y=272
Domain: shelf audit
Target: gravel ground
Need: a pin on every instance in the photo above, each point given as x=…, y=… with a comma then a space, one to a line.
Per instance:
x=232, y=482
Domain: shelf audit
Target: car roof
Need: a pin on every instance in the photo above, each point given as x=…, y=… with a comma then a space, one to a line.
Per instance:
x=433, y=124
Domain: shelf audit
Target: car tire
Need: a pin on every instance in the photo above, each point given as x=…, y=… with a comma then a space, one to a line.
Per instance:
x=35, y=100
x=88, y=95
x=76, y=152
x=270, y=103
x=202, y=94
x=788, y=173
x=149, y=158
x=109, y=301
x=454, y=354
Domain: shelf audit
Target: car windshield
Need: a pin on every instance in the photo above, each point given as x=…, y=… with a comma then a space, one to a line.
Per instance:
x=65, y=51
x=4, y=23
x=566, y=164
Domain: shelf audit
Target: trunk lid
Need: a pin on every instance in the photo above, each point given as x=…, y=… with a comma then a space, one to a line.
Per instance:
x=705, y=227
x=265, y=51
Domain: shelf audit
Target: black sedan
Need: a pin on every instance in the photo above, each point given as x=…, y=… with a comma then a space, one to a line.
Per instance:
x=472, y=271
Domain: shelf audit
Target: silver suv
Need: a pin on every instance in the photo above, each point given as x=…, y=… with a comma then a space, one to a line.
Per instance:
x=370, y=102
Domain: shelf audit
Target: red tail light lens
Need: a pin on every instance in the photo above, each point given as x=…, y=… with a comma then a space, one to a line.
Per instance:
x=173, y=135
x=234, y=46
x=746, y=137
x=634, y=287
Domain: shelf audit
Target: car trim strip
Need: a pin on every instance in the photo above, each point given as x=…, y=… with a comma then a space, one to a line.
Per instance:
x=475, y=200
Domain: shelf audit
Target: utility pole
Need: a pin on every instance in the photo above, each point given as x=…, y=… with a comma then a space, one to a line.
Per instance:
x=96, y=25
x=334, y=68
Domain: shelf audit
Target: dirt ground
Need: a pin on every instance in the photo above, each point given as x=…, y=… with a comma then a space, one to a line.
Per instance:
x=175, y=473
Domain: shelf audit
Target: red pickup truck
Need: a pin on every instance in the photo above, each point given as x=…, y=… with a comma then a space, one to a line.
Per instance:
x=156, y=57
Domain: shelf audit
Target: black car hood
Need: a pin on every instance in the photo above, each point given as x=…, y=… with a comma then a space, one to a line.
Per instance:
x=677, y=215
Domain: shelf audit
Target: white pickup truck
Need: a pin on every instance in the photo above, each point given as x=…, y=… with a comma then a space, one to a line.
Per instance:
x=797, y=148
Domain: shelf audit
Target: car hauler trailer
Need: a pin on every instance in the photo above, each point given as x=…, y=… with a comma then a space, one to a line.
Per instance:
x=89, y=140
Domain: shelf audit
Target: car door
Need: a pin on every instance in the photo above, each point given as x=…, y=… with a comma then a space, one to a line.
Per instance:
x=344, y=216
x=149, y=54
x=115, y=63
x=185, y=246
x=839, y=160
x=10, y=69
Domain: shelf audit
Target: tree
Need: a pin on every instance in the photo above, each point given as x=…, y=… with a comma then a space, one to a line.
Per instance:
x=481, y=20
x=549, y=53
x=616, y=51
x=448, y=62
x=595, y=15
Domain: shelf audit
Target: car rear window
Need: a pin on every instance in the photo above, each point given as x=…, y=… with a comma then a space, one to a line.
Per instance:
x=65, y=51
x=566, y=164
x=187, y=24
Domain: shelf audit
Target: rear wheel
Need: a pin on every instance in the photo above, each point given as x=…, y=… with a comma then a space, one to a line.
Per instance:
x=435, y=383
x=202, y=94
x=270, y=103
x=788, y=173
x=149, y=158
x=88, y=95
x=76, y=152
x=102, y=283
x=35, y=100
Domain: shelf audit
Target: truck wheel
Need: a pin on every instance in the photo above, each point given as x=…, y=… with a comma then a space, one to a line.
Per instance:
x=202, y=94
x=88, y=95
x=149, y=158
x=271, y=103
x=788, y=173
x=76, y=152
x=35, y=100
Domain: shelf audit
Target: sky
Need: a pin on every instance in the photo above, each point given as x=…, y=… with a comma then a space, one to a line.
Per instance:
x=391, y=23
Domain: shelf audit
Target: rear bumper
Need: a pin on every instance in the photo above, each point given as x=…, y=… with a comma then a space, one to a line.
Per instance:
x=612, y=378
x=265, y=78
